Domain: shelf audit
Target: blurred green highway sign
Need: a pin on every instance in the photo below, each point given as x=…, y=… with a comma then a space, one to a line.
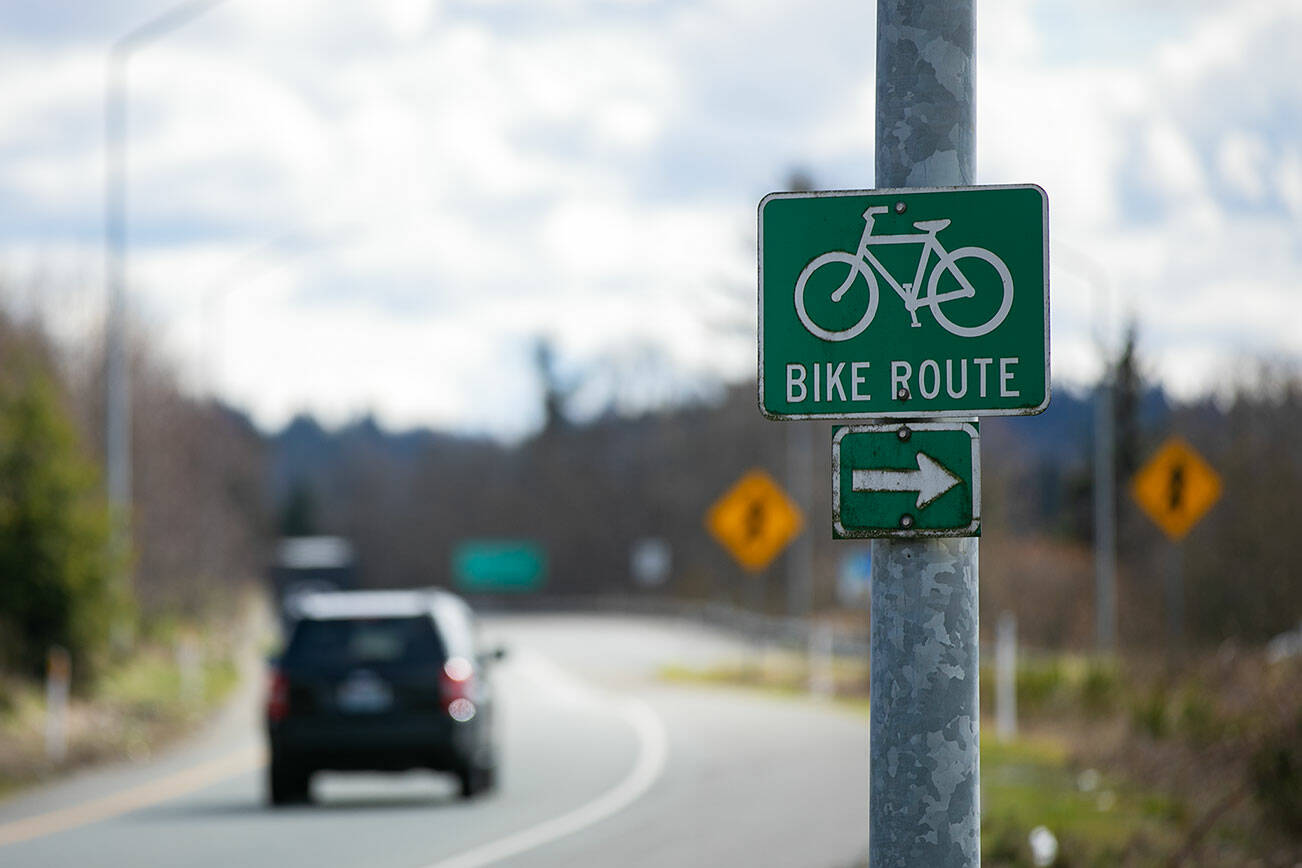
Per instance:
x=906, y=479
x=904, y=303
x=499, y=565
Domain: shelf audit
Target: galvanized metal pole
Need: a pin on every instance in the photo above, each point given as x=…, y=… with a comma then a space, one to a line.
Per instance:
x=924, y=787
x=1175, y=595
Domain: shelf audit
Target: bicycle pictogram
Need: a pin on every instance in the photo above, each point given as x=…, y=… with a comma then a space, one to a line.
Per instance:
x=863, y=263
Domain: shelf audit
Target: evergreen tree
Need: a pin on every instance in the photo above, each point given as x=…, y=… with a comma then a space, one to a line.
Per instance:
x=1128, y=393
x=299, y=516
x=54, y=574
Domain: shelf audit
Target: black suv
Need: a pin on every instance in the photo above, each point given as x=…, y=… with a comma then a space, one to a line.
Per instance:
x=380, y=680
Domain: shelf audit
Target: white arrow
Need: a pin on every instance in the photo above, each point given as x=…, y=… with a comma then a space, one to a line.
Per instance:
x=930, y=480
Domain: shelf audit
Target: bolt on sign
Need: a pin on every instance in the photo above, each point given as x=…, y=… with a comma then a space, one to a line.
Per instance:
x=754, y=520
x=904, y=303
x=906, y=479
x=1176, y=487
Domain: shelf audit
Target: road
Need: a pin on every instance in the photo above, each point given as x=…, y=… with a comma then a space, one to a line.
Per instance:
x=603, y=764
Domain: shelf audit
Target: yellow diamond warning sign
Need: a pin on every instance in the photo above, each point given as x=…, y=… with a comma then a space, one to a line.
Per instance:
x=754, y=520
x=1176, y=487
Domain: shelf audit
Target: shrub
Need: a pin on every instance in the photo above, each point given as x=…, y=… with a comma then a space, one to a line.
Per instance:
x=1038, y=684
x=1100, y=687
x=1277, y=777
x=1148, y=714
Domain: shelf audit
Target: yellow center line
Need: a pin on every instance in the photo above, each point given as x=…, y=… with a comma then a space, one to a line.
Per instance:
x=140, y=796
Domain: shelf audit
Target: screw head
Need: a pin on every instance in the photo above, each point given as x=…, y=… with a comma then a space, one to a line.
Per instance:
x=906, y=521
x=902, y=394
x=904, y=433
x=900, y=207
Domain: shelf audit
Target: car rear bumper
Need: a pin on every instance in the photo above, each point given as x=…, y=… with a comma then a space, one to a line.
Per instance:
x=436, y=743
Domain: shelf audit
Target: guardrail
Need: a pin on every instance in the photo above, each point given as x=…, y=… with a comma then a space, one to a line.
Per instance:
x=774, y=631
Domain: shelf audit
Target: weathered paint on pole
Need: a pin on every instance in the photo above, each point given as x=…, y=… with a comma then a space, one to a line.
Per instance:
x=924, y=787
x=925, y=112
x=924, y=780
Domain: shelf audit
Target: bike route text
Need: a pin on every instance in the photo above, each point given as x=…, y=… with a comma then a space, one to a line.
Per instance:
x=820, y=382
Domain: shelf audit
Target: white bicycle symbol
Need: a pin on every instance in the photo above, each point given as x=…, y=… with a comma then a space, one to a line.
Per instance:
x=864, y=263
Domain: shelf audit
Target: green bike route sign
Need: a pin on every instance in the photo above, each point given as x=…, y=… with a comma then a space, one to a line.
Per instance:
x=904, y=303
x=906, y=479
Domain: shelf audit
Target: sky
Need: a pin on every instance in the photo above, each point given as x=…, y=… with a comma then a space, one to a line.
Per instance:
x=353, y=206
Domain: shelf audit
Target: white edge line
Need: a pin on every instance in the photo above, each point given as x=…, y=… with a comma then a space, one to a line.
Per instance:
x=653, y=752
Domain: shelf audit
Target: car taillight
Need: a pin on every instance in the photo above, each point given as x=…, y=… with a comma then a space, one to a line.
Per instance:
x=457, y=684
x=277, y=697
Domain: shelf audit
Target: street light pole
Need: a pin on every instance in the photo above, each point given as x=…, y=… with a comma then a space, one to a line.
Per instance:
x=1105, y=472
x=117, y=368
x=117, y=422
x=1105, y=511
x=800, y=479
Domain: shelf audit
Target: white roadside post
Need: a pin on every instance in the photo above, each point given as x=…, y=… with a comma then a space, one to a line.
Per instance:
x=924, y=777
x=822, y=678
x=189, y=668
x=1006, y=677
x=650, y=561
x=58, y=679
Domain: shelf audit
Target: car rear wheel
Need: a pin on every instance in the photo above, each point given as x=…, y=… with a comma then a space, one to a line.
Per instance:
x=288, y=784
x=476, y=780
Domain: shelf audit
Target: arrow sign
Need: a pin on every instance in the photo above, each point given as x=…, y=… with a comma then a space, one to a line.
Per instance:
x=906, y=479
x=930, y=480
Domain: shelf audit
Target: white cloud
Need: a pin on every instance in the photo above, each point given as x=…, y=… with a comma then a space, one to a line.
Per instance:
x=1288, y=181
x=1242, y=163
x=440, y=181
x=1171, y=162
x=409, y=19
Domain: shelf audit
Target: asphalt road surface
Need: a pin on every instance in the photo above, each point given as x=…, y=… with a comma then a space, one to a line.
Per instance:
x=603, y=764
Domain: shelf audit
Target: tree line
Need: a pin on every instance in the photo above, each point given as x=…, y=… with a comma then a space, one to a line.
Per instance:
x=588, y=492
x=211, y=493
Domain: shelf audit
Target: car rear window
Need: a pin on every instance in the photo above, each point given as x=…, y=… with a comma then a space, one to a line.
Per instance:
x=365, y=640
